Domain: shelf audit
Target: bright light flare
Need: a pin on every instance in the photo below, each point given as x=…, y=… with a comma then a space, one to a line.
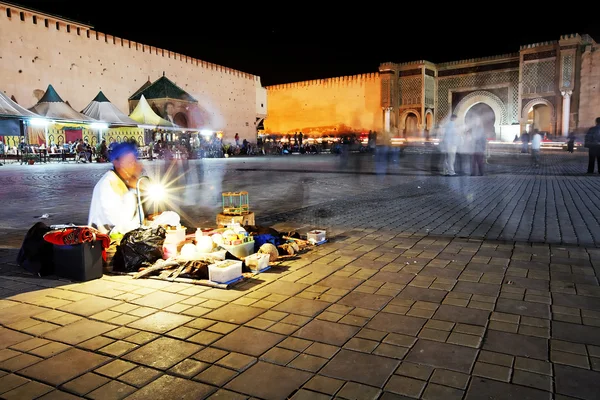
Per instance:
x=38, y=122
x=99, y=126
x=156, y=192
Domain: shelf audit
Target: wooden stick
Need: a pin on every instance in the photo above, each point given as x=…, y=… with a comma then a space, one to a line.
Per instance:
x=296, y=240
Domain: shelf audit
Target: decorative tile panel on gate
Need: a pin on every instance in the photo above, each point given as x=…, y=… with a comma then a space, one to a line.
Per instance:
x=538, y=77
x=410, y=90
x=479, y=81
x=429, y=91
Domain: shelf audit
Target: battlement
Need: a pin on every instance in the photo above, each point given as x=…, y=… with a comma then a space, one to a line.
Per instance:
x=391, y=65
x=410, y=63
x=340, y=80
x=570, y=36
x=387, y=65
x=478, y=60
x=540, y=44
x=19, y=14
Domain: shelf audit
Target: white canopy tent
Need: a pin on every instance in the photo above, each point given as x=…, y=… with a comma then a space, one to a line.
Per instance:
x=51, y=106
x=11, y=117
x=103, y=110
x=8, y=108
x=147, y=118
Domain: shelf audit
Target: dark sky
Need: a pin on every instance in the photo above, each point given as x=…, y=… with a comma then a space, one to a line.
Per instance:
x=283, y=42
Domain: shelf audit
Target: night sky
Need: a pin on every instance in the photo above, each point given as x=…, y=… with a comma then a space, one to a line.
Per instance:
x=294, y=41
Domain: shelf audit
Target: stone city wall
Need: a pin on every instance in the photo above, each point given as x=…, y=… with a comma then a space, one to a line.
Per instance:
x=37, y=49
x=589, y=100
x=326, y=106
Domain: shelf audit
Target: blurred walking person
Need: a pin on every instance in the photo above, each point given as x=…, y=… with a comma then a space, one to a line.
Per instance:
x=479, y=139
x=536, y=146
x=449, y=146
x=592, y=142
x=571, y=142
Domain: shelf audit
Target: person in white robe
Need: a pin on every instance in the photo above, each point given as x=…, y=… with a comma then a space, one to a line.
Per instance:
x=114, y=208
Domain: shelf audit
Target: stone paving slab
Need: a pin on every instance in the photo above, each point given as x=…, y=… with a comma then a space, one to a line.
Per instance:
x=397, y=305
x=275, y=338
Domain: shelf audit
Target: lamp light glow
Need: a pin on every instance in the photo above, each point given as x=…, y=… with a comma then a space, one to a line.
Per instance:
x=99, y=125
x=154, y=191
x=38, y=122
x=206, y=132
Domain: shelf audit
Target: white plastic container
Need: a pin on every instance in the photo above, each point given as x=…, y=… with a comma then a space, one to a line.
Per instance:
x=316, y=236
x=175, y=236
x=225, y=271
x=241, y=250
x=257, y=262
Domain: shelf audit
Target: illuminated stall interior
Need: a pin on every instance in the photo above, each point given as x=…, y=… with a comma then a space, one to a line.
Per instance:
x=156, y=126
x=116, y=125
x=13, y=119
x=63, y=123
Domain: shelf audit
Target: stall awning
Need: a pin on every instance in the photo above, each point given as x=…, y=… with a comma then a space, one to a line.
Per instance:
x=11, y=109
x=103, y=110
x=145, y=116
x=51, y=106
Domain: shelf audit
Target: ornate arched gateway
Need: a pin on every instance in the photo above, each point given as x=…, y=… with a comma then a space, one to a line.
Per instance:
x=482, y=96
x=409, y=123
x=537, y=102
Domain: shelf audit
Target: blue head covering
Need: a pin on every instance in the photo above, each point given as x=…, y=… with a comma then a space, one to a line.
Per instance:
x=122, y=149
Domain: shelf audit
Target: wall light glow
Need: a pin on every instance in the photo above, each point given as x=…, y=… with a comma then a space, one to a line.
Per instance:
x=38, y=122
x=99, y=125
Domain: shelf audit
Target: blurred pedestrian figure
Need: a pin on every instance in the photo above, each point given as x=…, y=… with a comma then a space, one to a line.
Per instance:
x=468, y=151
x=479, y=148
x=571, y=142
x=592, y=142
x=382, y=143
x=525, y=142
x=462, y=153
x=536, y=145
x=450, y=143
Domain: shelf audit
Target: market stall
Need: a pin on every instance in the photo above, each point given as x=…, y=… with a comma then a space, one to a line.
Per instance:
x=64, y=124
x=162, y=248
x=118, y=126
x=218, y=257
x=13, y=119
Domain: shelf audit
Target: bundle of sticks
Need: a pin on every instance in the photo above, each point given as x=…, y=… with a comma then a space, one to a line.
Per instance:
x=293, y=245
x=173, y=268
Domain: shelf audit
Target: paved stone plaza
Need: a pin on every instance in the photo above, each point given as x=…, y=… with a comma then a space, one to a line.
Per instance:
x=431, y=287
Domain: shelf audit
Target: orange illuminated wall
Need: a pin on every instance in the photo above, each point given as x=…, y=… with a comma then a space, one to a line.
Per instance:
x=325, y=106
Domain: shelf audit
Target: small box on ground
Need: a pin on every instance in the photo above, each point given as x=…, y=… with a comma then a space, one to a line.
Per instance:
x=243, y=220
x=225, y=271
x=78, y=262
x=240, y=250
x=257, y=262
x=316, y=236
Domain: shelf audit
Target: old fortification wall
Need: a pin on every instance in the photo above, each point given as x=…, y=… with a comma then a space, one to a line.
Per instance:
x=323, y=106
x=37, y=50
x=589, y=100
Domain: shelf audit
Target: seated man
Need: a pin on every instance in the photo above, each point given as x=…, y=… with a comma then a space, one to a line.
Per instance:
x=114, y=208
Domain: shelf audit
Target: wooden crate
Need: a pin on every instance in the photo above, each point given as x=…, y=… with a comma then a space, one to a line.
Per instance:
x=244, y=219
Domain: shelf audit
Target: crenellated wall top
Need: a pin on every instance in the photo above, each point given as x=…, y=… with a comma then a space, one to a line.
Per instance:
x=393, y=66
x=570, y=36
x=341, y=80
x=478, y=60
x=539, y=44
x=12, y=12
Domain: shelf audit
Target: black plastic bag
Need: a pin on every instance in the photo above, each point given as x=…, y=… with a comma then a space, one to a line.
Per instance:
x=139, y=248
x=35, y=254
